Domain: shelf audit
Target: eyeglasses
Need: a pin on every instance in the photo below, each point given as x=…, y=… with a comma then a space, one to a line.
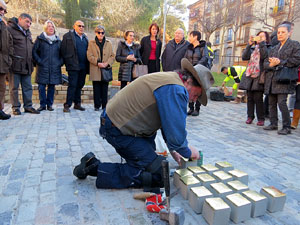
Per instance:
x=100, y=32
x=2, y=9
x=81, y=26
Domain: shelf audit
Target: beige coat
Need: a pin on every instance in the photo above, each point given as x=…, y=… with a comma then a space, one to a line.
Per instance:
x=93, y=54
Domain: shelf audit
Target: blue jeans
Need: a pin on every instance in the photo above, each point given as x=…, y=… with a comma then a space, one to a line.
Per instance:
x=46, y=100
x=138, y=152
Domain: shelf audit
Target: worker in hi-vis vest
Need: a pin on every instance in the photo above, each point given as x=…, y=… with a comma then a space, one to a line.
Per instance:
x=235, y=73
x=211, y=55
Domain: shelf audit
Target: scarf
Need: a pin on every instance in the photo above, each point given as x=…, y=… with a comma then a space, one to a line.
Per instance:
x=100, y=45
x=51, y=38
x=253, y=69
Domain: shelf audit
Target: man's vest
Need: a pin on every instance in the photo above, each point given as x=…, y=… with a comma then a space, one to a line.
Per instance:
x=210, y=52
x=239, y=70
x=133, y=109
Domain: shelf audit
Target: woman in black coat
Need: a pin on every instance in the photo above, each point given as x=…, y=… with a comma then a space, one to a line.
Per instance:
x=254, y=84
x=151, y=49
x=46, y=54
x=127, y=55
x=285, y=54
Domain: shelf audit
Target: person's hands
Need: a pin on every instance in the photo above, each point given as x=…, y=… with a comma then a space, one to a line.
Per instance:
x=195, y=153
x=105, y=65
x=176, y=156
x=131, y=58
x=274, y=61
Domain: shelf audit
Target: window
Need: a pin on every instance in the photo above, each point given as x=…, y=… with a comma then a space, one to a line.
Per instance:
x=209, y=6
x=229, y=34
x=228, y=56
x=217, y=56
x=248, y=14
x=280, y=5
x=217, y=37
x=247, y=34
x=195, y=26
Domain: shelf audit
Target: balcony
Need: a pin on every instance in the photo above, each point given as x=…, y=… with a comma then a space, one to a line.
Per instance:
x=277, y=10
x=228, y=38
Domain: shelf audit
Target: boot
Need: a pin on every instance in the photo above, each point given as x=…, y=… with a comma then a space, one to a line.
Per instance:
x=88, y=166
x=191, y=106
x=237, y=100
x=196, y=113
x=296, y=117
x=4, y=116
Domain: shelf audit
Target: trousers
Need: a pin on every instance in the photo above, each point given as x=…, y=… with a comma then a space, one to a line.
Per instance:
x=46, y=99
x=76, y=83
x=255, y=101
x=279, y=99
x=2, y=90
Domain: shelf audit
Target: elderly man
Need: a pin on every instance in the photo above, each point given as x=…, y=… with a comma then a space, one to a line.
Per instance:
x=174, y=51
x=132, y=118
x=6, y=50
x=73, y=50
x=22, y=65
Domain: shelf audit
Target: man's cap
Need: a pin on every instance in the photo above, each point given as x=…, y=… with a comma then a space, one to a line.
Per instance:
x=202, y=75
x=3, y=5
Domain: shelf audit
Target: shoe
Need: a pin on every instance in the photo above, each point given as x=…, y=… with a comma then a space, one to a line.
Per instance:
x=31, y=110
x=190, y=112
x=16, y=112
x=249, y=120
x=66, y=108
x=4, y=116
x=81, y=171
x=195, y=113
x=97, y=109
x=284, y=131
x=260, y=123
x=293, y=128
x=41, y=108
x=271, y=127
x=49, y=108
x=79, y=107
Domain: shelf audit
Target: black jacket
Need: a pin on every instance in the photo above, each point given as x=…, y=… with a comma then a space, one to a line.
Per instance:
x=126, y=66
x=69, y=52
x=197, y=55
x=22, y=45
x=6, y=49
x=48, y=59
x=172, y=55
x=146, y=49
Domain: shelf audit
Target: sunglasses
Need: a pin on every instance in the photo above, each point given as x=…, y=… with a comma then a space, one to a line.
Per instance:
x=101, y=33
x=81, y=26
x=2, y=9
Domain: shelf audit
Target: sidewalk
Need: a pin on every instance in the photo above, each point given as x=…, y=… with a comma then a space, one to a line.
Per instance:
x=39, y=152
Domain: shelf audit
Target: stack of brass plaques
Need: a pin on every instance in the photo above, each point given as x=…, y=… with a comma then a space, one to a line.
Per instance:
x=225, y=166
x=197, y=196
x=222, y=176
x=178, y=174
x=237, y=186
x=239, y=175
x=240, y=207
x=259, y=203
x=186, y=183
x=216, y=211
x=276, y=199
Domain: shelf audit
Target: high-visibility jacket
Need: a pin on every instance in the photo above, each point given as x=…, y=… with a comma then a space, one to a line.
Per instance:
x=210, y=52
x=235, y=73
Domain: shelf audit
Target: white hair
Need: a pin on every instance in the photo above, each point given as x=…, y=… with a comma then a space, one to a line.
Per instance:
x=46, y=25
x=3, y=4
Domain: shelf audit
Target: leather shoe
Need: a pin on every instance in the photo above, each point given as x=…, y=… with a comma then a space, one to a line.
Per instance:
x=271, y=127
x=31, y=110
x=249, y=120
x=284, y=131
x=66, y=108
x=79, y=107
x=260, y=123
x=195, y=113
x=86, y=165
x=41, y=108
x=4, y=116
x=49, y=108
x=16, y=112
x=190, y=112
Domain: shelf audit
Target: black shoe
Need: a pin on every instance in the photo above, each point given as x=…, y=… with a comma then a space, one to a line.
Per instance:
x=41, y=108
x=190, y=112
x=31, y=110
x=66, y=108
x=79, y=107
x=16, y=112
x=49, y=108
x=284, y=131
x=87, y=164
x=4, y=116
x=97, y=109
x=195, y=113
x=271, y=127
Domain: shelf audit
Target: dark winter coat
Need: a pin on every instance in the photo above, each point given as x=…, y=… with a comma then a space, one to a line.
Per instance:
x=22, y=48
x=274, y=40
x=289, y=56
x=6, y=49
x=252, y=84
x=69, y=51
x=172, y=55
x=126, y=66
x=146, y=49
x=48, y=59
x=197, y=55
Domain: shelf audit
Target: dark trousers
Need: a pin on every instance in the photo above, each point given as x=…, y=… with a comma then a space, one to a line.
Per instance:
x=138, y=152
x=2, y=90
x=255, y=101
x=152, y=66
x=14, y=81
x=297, y=103
x=100, y=89
x=266, y=105
x=123, y=84
x=195, y=105
x=279, y=99
x=46, y=99
x=76, y=83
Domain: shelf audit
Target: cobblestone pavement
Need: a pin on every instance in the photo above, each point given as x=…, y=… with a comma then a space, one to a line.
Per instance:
x=38, y=153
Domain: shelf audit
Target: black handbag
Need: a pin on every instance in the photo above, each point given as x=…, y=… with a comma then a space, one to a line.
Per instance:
x=286, y=75
x=106, y=74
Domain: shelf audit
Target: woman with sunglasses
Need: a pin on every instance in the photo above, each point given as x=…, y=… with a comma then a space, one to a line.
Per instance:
x=127, y=55
x=100, y=55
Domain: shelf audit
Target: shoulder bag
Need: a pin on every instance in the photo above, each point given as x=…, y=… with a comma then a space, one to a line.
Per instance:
x=106, y=74
x=286, y=75
x=139, y=70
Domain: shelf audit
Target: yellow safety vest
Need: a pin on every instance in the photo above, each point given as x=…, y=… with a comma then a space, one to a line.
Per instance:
x=239, y=70
x=210, y=52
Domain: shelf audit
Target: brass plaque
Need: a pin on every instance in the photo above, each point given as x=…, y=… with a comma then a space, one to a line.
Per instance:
x=224, y=164
x=237, y=185
x=237, y=173
x=209, y=167
x=220, y=188
x=196, y=169
x=217, y=203
x=222, y=175
x=273, y=192
x=183, y=172
x=204, y=177
x=255, y=196
x=201, y=191
x=238, y=200
x=189, y=180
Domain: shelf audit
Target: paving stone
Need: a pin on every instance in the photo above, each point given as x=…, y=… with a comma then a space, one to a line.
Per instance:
x=17, y=174
x=12, y=188
x=4, y=170
x=6, y=217
x=8, y=203
x=45, y=214
x=48, y=186
x=26, y=211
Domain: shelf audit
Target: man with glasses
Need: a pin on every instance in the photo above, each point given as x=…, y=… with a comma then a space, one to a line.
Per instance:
x=6, y=51
x=73, y=50
x=22, y=65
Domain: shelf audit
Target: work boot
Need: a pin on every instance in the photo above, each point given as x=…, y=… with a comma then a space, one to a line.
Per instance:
x=296, y=117
x=79, y=107
x=195, y=113
x=284, y=131
x=88, y=166
x=4, y=116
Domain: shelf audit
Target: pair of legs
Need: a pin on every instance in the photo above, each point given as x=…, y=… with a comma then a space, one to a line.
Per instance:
x=194, y=108
x=3, y=115
x=152, y=66
x=100, y=89
x=46, y=99
x=255, y=102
